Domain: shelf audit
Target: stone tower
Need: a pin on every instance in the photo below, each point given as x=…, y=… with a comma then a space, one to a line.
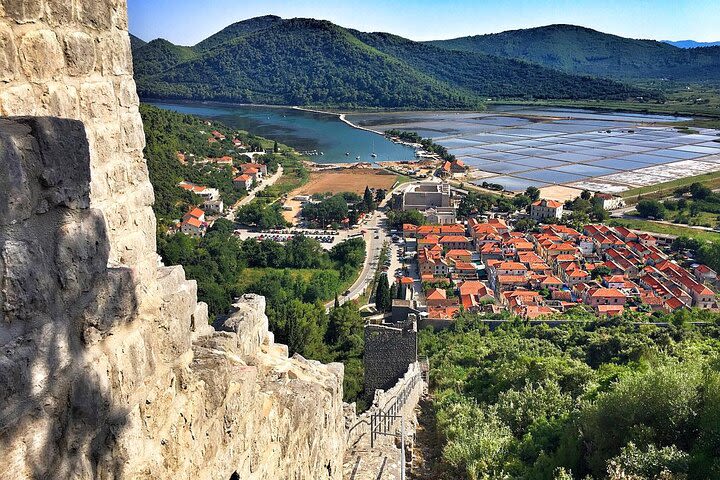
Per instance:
x=108, y=368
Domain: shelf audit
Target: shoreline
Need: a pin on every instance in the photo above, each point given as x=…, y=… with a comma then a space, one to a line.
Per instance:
x=341, y=116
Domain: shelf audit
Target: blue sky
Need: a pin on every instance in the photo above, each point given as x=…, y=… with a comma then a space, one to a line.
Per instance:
x=186, y=22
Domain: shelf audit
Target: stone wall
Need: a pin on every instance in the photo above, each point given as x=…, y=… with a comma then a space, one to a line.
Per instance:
x=108, y=368
x=380, y=459
x=388, y=352
x=71, y=59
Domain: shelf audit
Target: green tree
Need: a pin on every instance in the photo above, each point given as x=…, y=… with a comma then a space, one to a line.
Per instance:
x=601, y=271
x=699, y=191
x=397, y=218
x=650, y=208
x=368, y=201
x=533, y=193
x=383, y=301
x=393, y=292
x=586, y=195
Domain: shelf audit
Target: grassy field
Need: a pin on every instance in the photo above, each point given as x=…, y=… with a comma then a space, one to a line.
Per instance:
x=678, y=230
x=711, y=180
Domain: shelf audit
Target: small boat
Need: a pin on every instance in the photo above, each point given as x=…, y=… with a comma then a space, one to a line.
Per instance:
x=357, y=158
x=347, y=154
x=373, y=155
x=322, y=153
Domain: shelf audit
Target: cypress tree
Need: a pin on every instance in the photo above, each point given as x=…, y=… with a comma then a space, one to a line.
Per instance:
x=368, y=199
x=393, y=293
x=383, y=300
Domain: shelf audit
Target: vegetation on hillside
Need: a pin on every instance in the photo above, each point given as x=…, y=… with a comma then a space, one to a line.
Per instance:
x=592, y=399
x=581, y=50
x=311, y=62
x=694, y=204
x=169, y=133
x=296, y=278
x=500, y=77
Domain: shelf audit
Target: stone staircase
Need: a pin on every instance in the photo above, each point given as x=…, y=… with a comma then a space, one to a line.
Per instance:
x=380, y=457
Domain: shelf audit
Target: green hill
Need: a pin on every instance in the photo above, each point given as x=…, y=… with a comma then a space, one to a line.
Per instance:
x=311, y=62
x=580, y=50
x=492, y=76
x=136, y=42
x=159, y=55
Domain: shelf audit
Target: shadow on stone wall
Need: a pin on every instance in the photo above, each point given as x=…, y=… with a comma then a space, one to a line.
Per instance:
x=61, y=404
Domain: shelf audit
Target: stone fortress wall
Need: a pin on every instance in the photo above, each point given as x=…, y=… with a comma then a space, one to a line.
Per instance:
x=108, y=368
x=388, y=352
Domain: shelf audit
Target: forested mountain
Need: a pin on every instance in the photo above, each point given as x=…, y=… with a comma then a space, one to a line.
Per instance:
x=690, y=43
x=158, y=56
x=580, y=50
x=136, y=42
x=312, y=62
x=493, y=76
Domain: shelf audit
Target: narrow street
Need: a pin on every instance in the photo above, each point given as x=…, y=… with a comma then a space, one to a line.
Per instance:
x=253, y=193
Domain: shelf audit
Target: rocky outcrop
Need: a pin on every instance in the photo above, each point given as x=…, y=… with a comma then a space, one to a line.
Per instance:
x=108, y=367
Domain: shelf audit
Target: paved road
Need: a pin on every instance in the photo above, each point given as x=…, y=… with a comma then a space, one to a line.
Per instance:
x=372, y=255
x=253, y=193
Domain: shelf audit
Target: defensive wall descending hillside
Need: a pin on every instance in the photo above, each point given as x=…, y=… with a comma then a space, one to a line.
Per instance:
x=389, y=350
x=108, y=368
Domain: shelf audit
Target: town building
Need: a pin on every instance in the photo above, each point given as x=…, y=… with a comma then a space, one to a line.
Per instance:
x=430, y=198
x=546, y=210
x=243, y=181
x=193, y=223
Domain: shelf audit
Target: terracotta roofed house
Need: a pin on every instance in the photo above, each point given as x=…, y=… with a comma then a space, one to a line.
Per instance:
x=243, y=181
x=546, y=209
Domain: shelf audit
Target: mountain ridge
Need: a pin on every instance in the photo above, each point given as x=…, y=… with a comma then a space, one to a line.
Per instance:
x=581, y=50
x=690, y=43
x=315, y=62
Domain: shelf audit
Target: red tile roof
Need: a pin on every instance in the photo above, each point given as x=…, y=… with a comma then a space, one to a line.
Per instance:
x=436, y=294
x=608, y=292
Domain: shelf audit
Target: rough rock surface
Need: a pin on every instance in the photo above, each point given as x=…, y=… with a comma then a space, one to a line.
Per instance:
x=108, y=368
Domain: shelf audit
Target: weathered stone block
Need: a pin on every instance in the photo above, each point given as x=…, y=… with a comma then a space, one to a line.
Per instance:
x=18, y=100
x=59, y=99
x=41, y=55
x=23, y=11
x=97, y=102
x=96, y=15
x=79, y=53
x=8, y=54
x=60, y=12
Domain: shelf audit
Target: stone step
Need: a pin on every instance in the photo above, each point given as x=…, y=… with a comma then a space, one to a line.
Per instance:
x=374, y=465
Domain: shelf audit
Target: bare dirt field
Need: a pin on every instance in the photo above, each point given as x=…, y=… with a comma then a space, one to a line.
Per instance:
x=559, y=193
x=351, y=180
x=293, y=214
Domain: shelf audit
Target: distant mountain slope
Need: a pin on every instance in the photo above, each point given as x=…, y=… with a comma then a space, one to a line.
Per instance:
x=492, y=76
x=311, y=62
x=159, y=55
x=690, y=43
x=136, y=42
x=581, y=50
x=237, y=30
x=301, y=62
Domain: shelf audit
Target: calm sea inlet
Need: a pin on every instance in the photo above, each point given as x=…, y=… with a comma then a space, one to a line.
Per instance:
x=304, y=131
